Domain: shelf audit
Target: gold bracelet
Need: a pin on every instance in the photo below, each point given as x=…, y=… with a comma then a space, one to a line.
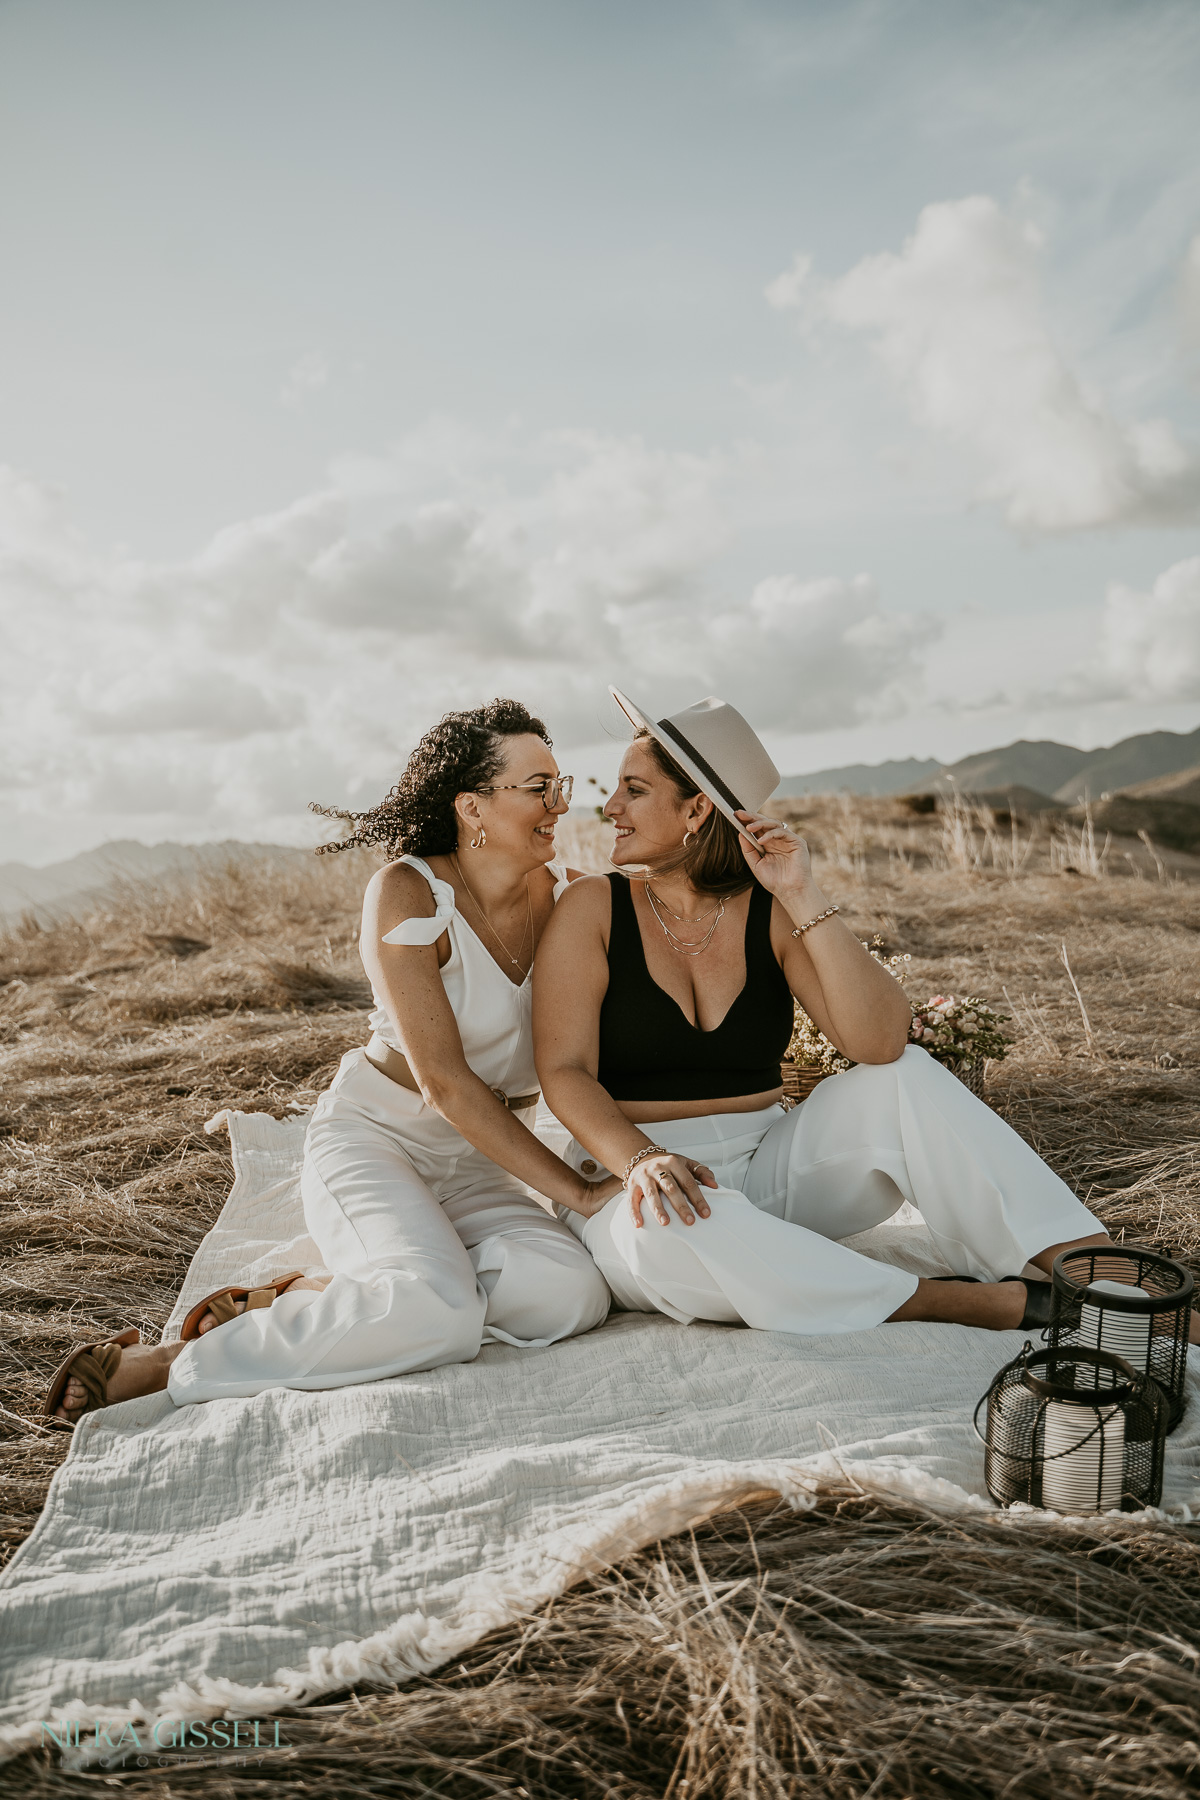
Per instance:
x=828, y=914
x=640, y=1156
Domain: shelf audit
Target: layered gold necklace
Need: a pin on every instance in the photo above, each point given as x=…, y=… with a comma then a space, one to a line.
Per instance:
x=685, y=946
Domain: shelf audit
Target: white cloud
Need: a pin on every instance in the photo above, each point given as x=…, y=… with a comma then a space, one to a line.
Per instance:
x=300, y=653
x=816, y=654
x=959, y=321
x=157, y=700
x=1149, y=644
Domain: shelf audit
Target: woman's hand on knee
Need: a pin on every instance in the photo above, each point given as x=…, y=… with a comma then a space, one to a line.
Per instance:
x=662, y=1181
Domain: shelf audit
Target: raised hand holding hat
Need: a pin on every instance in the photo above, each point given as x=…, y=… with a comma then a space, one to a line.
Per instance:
x=723, y=754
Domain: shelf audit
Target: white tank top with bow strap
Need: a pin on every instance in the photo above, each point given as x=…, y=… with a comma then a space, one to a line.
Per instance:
x=493, y=1013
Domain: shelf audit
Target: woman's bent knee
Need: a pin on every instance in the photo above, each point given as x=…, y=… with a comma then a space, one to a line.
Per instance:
x=575, y=1301
x=584, y=1299
x=652, y=1246
x=538, y=1294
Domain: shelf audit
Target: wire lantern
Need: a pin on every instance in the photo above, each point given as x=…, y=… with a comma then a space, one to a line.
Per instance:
x=1132, y=1302
x=1055, y=1438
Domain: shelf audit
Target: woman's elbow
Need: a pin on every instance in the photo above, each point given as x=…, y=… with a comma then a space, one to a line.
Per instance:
x=886, y=1045
x=559, y=1085
x=436, y=1094
x=550, y=1081
x=443, y=1089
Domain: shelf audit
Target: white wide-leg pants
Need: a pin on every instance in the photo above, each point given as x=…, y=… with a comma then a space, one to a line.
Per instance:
x=433, y=1249
x=845, y=1160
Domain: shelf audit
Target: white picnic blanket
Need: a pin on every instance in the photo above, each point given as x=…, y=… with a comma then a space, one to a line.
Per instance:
x=243, y=1556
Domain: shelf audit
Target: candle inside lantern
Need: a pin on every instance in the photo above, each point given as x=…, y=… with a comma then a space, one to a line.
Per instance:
x=1119, y=1332
x=1087, y=1474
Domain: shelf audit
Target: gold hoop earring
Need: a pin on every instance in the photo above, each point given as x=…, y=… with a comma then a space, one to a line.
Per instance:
x=479, y=840
x=688, y=836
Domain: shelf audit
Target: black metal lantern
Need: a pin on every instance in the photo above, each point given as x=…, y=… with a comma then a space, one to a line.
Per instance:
x=1055, y=1437
x=1131, y=1302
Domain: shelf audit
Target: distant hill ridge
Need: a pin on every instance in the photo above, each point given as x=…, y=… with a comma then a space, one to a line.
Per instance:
x=57, y=888
x=1060, y=771
x=908, y=777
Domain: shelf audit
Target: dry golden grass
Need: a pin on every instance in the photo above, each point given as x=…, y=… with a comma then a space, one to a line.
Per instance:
x=865, y=1649
x=860, y=1650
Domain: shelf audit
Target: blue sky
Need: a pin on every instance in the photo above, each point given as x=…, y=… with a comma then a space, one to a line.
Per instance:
x=360, y=359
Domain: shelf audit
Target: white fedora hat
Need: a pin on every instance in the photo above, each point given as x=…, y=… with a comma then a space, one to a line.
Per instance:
x=715, y=746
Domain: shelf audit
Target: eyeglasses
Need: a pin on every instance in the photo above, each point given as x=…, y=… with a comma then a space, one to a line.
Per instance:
x=552, y=790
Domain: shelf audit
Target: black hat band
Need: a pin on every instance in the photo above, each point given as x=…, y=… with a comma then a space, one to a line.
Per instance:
x=710, y=774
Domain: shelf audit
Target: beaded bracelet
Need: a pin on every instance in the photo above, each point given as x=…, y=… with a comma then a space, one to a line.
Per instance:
x=640, y=1156
x=827, y=914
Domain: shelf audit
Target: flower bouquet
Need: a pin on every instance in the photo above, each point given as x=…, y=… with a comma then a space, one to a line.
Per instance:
x=961, y=1034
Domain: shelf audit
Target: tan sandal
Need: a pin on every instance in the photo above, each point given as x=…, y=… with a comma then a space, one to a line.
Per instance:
x=222, y=1304
x=92, y=1365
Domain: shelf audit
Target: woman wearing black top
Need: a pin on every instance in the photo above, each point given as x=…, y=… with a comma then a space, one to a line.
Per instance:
x=662, y=1007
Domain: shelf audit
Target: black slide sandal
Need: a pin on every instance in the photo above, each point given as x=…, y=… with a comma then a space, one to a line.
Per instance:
x=1039, y=1299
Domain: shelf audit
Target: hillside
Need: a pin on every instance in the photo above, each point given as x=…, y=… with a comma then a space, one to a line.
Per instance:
x=1136, y=759
x=1175, y=823
x=1061, y=772
x=862, y=778
x=1045, y=766
x=1184, y=785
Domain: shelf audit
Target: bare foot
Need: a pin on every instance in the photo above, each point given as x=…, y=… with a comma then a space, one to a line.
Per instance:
x=208, y=1323
x=142, y=1370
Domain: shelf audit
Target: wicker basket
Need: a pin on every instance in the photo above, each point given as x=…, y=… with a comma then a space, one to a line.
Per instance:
x=971, y=1075
x=799, y=1079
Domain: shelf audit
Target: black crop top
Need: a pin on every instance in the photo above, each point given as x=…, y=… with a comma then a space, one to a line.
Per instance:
x=649, y=1050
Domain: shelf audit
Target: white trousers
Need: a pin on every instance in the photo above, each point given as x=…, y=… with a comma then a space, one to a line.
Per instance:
x=845, y=1160
x=433, y=1249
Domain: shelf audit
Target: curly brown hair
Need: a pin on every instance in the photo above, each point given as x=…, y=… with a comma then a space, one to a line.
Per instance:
x=459, y=755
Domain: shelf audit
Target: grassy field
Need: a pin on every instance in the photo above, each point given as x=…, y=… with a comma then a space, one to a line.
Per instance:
x=865, y=1649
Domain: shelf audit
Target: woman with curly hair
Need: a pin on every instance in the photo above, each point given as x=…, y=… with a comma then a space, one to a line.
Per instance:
x=418, y=1155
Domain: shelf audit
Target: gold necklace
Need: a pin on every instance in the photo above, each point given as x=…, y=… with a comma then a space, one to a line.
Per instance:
x=683, y=918
x=528, y=924
x=676, y=942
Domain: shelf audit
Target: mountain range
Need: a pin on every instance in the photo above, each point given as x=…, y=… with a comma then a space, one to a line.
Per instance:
x=1060, y=771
